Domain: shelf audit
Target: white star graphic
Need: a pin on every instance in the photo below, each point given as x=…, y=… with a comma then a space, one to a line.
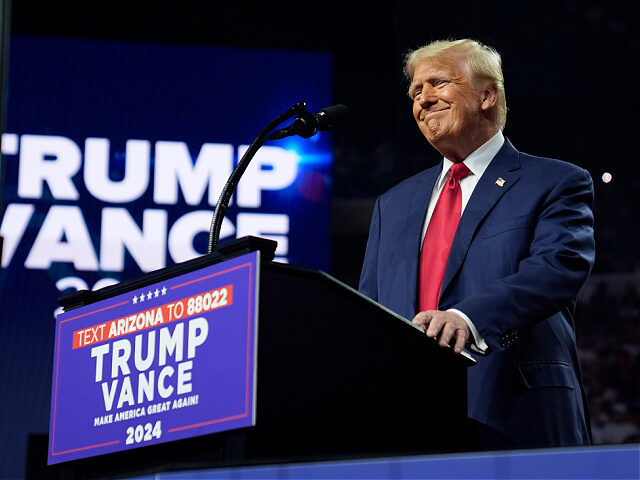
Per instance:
x=164, y=290
x=156, y=294
x=135, y=300
x=149, y=295
x=141, y=297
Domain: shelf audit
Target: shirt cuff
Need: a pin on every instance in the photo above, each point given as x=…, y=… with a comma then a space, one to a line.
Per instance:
x=476, y=342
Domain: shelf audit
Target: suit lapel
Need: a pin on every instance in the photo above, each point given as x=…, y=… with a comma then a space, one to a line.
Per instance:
x=505, y=165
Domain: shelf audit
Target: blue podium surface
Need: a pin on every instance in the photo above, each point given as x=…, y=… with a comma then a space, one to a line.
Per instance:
x=600, y=462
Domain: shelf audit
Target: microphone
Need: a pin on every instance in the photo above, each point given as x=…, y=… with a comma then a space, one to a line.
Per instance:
x=307, y=124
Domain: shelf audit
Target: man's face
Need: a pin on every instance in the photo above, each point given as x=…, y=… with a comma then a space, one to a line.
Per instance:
x=446, y=104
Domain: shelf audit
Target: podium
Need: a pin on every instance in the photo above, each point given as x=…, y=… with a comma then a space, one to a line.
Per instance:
x=338, y=376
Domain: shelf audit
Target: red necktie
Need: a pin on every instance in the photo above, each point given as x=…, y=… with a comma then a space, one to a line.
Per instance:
x=437, y=241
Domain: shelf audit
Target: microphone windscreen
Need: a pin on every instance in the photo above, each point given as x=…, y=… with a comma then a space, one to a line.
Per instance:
x=331, y=117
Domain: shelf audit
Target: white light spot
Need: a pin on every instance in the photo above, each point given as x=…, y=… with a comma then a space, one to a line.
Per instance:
x=607, y=177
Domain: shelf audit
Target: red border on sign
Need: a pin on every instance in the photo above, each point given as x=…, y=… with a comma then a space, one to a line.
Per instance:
x=249, y=337
x=55, y=398
x=86, y=448
x=246, y=389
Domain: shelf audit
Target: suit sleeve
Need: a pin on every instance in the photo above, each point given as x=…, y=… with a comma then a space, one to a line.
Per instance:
x=560, y=258
x=369, y=275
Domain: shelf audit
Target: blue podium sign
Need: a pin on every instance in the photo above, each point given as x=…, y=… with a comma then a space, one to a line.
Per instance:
x=114, y=155
x=172, y=360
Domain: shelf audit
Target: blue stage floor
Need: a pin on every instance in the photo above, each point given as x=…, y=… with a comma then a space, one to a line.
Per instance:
x=605, y=462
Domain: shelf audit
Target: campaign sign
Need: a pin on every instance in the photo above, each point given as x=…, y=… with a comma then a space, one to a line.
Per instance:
x=172, y=360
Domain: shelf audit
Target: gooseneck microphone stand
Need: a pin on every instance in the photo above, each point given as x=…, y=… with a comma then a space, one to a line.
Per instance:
x=306, y=125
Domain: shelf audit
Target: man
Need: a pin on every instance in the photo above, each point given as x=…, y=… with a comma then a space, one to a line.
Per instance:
x=488, y=250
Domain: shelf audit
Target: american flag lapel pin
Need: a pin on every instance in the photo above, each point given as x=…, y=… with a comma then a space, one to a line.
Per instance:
x=500, y=182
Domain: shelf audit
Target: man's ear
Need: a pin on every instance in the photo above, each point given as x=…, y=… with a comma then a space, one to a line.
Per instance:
x=489, y=97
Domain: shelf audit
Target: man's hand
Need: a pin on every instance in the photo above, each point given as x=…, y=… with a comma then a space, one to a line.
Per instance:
x=446, y=324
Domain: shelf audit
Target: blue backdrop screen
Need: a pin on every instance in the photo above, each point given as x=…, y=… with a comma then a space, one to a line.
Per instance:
x=114, y=157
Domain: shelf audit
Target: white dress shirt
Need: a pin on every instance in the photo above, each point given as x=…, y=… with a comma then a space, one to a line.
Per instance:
x=477, y=162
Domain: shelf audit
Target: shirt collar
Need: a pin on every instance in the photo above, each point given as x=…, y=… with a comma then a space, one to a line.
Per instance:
x=479, y=159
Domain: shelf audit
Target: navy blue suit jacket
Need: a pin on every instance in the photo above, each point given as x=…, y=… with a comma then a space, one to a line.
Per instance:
x=520, y=254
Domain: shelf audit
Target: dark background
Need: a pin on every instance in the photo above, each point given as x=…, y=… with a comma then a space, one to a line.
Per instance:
x=570, y=77
x=568, y=65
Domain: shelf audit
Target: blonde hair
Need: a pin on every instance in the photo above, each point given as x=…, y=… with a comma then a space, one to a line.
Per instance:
x=482, y=62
